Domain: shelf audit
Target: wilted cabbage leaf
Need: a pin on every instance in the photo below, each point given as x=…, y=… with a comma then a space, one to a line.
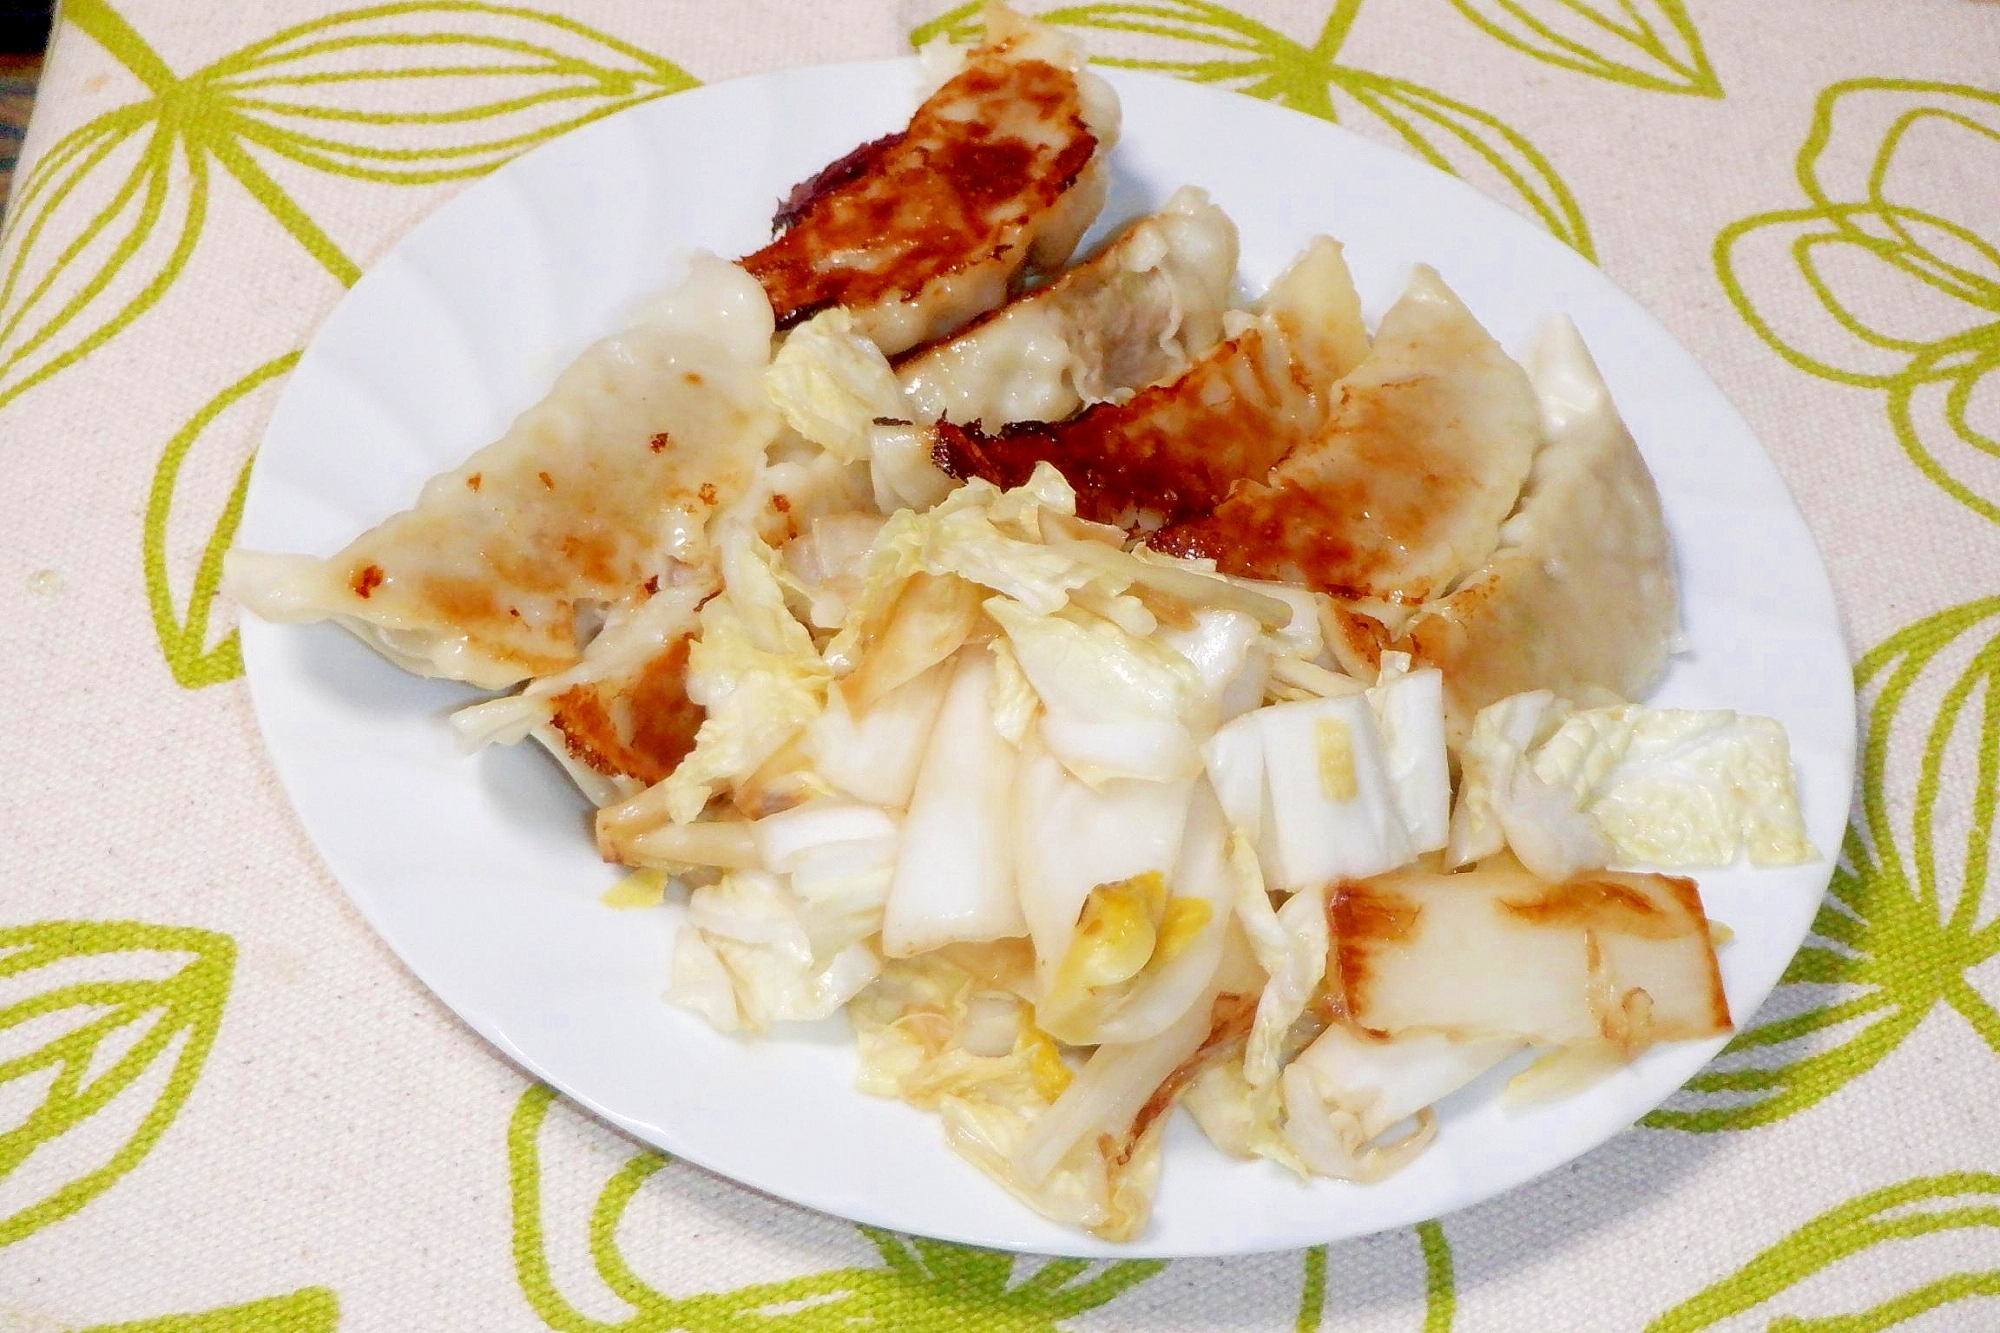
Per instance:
x=1675, y=787
x=831, y=384
x=782, y=959
x=1114, y=705
x=754, y=669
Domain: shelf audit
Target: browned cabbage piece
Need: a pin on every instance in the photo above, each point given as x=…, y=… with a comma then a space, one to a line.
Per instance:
x=592, y=497
x=1140, y=309
x=638, y=728
x=1606, y=958
x=998, y=175
x=1174, y=450
x=619, y=720
x=1580, y=594
x=1427, y=446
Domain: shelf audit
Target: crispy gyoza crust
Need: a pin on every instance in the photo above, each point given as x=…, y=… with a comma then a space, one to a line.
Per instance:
x=591, y=496
x=639, y=728
x=620, y=719
x=999, y=173
x=1581, y=593
x=1174, y=450
x=1404, y=493
x=1169, y=454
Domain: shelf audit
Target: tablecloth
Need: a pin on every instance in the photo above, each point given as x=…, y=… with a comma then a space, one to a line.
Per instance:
x=225, y=1106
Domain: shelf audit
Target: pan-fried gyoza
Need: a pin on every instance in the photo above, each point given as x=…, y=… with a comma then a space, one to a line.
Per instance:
x=1113, y=701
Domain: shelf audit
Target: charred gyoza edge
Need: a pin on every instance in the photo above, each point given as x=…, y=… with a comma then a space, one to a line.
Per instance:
x=997, y=176
x=1424, y=454
x=1176, y=449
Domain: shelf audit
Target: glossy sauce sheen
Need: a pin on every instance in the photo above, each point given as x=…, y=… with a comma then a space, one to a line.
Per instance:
x=1427, y=447
x=985, y=155
x=1353, y=523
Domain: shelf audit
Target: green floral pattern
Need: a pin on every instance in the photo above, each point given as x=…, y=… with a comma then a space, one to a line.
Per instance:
x=921, y=1285
x=1208, y=43
x=1874, y=274
x=1901, y=925
x=1966, y=1201
x=184, y=635
x=1649, y=44
x=409, y=93
x=1892, y=285
x=1440, y=1284
x=406, y=93
x=151, y=996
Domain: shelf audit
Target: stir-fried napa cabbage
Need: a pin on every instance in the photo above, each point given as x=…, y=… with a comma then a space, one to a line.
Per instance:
x=1114, y=705
x=793, y=940
x=831, y=383
x=1675, y=787
x=1605, y=958
x=1569, y=790
x=1077, y=833
x=756, y=671
x=1357, y=1105
x=954, y=876
x=948, y=1034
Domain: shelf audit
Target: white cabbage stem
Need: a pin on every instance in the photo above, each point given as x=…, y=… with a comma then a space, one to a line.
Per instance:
x=1108, y=1094
x=1290, y=944
x=1546, y=831
x=1410, y=711
x=1333, y=807
x=724, y=843
x=1116, y=706
x=875, y=757
x=954, y=877
x=1234, y=760
x=783, y=838
x=1502, y=734
x=1201, y=874
x=1344, y=1092
x=845, y=871
x=1069, y=838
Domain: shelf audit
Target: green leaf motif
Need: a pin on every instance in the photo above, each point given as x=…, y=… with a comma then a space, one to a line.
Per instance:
x=1887, y=280
x=1924, y=1206
x=405, y=93
x=77, y=267
x=88, y=1002
x=1440, y=1284
x=1896, y=935
x=1209, y=43
x=184, y=637
x=365, y=92
x=922, y=1286
x=1650, y=44
x=308, y=1310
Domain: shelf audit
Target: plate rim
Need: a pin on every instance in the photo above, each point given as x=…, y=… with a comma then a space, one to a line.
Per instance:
x=259, y=639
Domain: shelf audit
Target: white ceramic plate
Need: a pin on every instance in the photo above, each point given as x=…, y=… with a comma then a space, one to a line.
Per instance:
x=479, y=871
